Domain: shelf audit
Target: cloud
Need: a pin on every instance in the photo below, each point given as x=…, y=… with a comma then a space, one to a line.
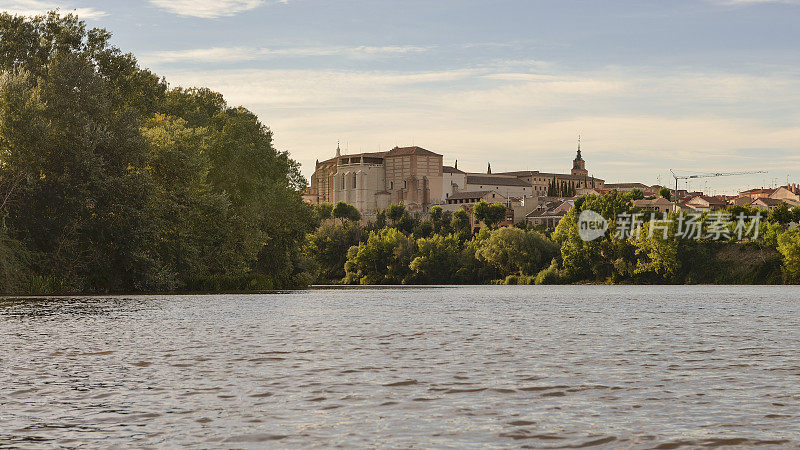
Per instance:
x=209, y=9
x=239, y=54
x=636, y=124
x=40, y=7
x=755, y=2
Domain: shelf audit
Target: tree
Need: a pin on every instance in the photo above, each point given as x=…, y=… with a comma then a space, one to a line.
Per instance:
x=665, y=193
x=81, y=207
x=189, y=218
x=658, y=254
x=490, y=215
x=423, y=229
x=780, y=214
x=344, y=211
x=514, y=251
x=328, y=246
x=323, y=211
x=460, y=224
x=635, y=194
x=436, y=260
x=395, y=213
x=120, y=184
x=789, y=247
x=383, y=259
x=601, y=258
x=14, y=264
x=436, y=215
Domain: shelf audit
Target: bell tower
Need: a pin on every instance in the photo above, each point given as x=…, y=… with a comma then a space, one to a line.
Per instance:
x=578, y=164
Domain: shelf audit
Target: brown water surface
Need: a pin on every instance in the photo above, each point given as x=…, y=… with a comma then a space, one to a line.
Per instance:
x=639, y=367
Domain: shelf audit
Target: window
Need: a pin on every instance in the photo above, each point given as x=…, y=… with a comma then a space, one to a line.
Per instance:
x=344, y=186
x=405, y=184
x=355, y=179
x=391, y=185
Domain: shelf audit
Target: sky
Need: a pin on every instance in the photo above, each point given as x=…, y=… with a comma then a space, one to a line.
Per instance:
x=695, y=86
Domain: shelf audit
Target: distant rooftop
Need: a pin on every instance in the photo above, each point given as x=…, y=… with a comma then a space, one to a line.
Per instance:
x=407, y=151
x=496, y=180
x=451, y=169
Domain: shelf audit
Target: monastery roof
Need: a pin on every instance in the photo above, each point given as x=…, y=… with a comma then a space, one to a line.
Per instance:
x=496, y=180
x=536, y=173
x=468, y=194
x=406, y=151
x=450, y=169
x=356, y=155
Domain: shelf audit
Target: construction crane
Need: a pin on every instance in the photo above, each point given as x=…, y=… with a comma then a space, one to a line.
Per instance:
x=704, y=175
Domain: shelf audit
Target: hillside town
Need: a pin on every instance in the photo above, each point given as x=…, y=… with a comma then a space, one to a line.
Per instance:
x=418, y=179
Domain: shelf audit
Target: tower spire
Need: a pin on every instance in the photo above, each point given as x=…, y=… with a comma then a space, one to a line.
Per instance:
x=579, y=146
x=489, y=169
x=338, y=149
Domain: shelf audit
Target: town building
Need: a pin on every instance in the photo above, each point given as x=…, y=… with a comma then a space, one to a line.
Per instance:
x=704, y=203
x=766, y=203
x=550, y=213
x=757, y=193
x=789, y=192
x=417, y=178
x=658, y=204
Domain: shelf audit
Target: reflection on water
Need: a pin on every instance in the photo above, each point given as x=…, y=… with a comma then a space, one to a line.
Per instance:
x=492, y=366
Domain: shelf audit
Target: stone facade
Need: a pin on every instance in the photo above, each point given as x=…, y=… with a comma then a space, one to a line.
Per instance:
x=417, y=178
x=373, y=181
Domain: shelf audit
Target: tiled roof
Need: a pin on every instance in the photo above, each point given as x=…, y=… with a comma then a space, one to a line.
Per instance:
x=759, y=191
x=710, y=200
x=769, y=201
x=493, y=180
x=406, y=151
x=449, y=169
x=536, y=173
x=468, y=195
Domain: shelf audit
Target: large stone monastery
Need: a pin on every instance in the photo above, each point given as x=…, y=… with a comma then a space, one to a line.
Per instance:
x=418, y=178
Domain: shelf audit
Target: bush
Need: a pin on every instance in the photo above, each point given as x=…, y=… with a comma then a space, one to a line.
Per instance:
x=550, y=275
x=513, y=251
x=383, y=259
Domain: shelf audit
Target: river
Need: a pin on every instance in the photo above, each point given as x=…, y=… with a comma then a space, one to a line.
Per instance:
x=493, y=366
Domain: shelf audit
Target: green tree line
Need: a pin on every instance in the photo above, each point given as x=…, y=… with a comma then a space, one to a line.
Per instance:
x=112, y=181
x=403, y=248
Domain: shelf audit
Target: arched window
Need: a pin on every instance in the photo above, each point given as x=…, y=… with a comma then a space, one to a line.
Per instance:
x=344, y=186
x=355, y=181
x=391, y=185
x=405, y=184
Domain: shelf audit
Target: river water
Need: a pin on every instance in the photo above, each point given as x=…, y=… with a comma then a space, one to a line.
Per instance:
x=637, y=367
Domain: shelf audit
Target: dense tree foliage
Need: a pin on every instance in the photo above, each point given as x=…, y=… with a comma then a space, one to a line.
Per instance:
x=513, y=251
x=490, y=215
x=344, y=211
x=789, y=246
x=111, y=181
